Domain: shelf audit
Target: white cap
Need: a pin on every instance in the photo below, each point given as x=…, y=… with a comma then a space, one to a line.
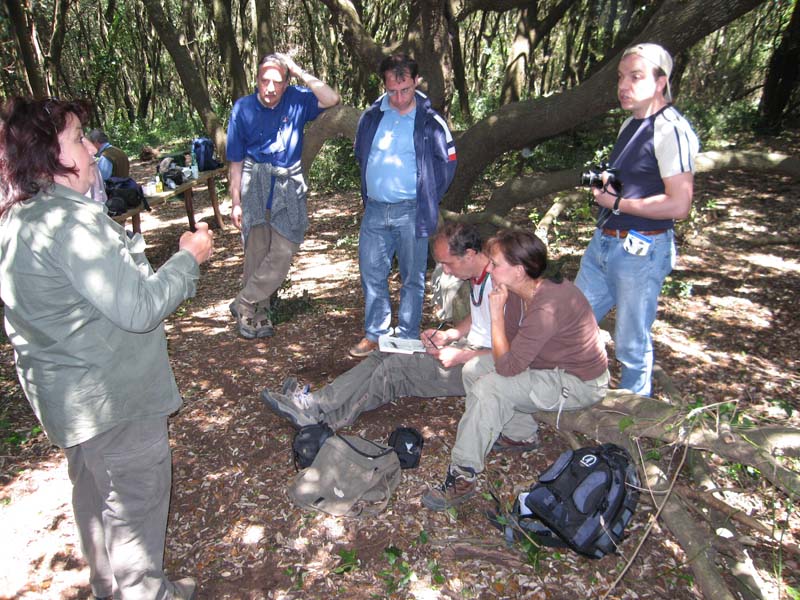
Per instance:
x=657, y=56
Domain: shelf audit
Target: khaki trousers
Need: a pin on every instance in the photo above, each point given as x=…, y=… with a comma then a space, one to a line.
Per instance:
x=267, y=259
x=120, y=497
x=497, y=404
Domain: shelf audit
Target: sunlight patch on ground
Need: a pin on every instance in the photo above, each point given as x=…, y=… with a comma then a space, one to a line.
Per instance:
x=36, y=508
x=152, y=221
x=421, y=590
x=770, y=261
x=211, y=422
x=742, y=309
x=679, y=343
x=317, y=273
x=334, y=528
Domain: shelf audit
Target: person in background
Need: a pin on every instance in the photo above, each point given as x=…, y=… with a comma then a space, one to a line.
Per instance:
x=407, y=159
x=84, y=313
x=546, y=356
x=267, y=187
x=111, y=161
x=633, y=248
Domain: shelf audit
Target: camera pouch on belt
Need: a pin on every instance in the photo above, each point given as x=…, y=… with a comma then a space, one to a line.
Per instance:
x=637, y=244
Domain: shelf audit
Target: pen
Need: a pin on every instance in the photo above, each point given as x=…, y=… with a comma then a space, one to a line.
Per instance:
x=430, y=337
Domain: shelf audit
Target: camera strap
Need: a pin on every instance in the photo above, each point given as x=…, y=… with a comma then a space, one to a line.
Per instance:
x=606, y=213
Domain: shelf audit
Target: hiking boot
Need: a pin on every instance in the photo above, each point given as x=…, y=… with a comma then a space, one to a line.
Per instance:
x=185, y=588
x=256, y=326
x=506, y=444
x=299, y=408
x=363, y=348
x=459, y=486
x=289, y=385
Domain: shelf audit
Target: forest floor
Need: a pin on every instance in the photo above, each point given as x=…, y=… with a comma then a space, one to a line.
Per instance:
x=727, y=333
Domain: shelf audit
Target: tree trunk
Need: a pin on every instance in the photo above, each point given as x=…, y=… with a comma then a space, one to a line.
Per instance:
x=676, y=24
x=192, y=82
x=22, y=31
x=60, y=9
x=783, y=74
x=265, y=38
x=515, y=80
x=355, y=37
x=226, y=41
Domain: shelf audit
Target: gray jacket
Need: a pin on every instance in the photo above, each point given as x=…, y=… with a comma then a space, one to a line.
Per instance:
x=84, y=311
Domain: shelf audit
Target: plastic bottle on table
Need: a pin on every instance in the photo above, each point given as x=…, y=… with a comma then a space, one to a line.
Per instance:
x=194, y=165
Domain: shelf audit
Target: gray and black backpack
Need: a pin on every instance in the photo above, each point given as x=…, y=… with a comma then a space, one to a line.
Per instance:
x=584, y=500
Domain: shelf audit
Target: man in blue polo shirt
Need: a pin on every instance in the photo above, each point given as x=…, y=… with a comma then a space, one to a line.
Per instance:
x=633, y=248
x=407, y=160
x=268, y=191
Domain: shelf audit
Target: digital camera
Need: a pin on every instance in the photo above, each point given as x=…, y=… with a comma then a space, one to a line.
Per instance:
x=594, y=177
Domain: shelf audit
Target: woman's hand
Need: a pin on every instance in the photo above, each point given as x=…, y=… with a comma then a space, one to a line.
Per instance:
x=200, y=243
x=497, y=301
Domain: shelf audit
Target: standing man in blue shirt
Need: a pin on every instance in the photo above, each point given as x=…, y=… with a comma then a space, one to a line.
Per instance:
x=633, y=248
x=267, y=187
x=407, y=160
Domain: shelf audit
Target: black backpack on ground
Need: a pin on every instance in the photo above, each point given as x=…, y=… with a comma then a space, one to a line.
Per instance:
x=123, y=194
x=204, y=153
x=307, y=442
x=584, y=500
x=407, y=442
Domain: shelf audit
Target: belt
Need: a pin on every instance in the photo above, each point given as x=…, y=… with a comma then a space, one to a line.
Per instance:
x=621, y=233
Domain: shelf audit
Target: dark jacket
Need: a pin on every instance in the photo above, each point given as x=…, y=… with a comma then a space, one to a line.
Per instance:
x=436, y=158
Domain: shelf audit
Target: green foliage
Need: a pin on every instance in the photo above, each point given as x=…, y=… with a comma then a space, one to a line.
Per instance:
x=335, y=168
x=14, y=438
x=168, y=133
x=297, y=576
x=676, y=288
x=715, y=122
x=347, y=241
x=786, y=404
x=283, y=308
x=399, y=572
x=348, y=561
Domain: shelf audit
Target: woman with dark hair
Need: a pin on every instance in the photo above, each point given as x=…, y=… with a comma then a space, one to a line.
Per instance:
x=546, y=356
x=84, y=311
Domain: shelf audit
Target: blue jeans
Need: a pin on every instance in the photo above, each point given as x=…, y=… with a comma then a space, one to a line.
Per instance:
x=609, y=276
x=388, y=230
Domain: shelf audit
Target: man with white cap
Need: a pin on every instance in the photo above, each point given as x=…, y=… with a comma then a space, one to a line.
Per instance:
x=633, y=250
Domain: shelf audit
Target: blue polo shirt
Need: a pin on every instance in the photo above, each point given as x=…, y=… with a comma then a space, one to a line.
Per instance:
x=271, y=135
x=392, y=162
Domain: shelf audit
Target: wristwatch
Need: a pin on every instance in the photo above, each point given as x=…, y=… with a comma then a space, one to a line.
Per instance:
x=615, y=210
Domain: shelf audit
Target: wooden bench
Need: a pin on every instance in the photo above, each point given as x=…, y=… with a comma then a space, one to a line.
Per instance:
x=186, y=190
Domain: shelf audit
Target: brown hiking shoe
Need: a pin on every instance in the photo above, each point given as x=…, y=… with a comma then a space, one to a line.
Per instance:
x=459, y=486
x=506, y=444
x=362, y=348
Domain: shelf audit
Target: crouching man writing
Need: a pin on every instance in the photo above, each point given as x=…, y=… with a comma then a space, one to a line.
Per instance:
x=382, y=378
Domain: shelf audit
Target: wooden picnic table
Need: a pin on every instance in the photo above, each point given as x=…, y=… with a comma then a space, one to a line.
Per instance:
x=186, y=189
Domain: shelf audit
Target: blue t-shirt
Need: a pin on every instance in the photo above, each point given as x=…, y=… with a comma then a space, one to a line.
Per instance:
x=271, y=135
x=103, y=164
x=392, y=163
x=645, y=153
